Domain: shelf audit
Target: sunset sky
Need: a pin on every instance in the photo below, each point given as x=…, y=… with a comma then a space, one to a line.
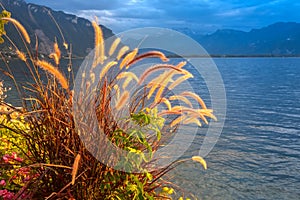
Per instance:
x=204, y=16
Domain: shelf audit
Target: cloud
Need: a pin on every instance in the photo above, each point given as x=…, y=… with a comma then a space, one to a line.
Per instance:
x=204, y=15
x=75, y=5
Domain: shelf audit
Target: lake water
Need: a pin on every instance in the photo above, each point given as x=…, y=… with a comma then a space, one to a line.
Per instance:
x=258, y=153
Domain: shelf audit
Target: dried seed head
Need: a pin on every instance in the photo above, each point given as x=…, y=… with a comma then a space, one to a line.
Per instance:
x=54, y=71
x=21, y=55
x=19, y=26
x=200, y=160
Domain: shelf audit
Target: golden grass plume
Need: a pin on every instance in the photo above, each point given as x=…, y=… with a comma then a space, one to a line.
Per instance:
x=75, y=168
x=19, y=26
x=123, y=99
x=54, y=71
x=99, y=44
x=128, y=58
x=21, y=55
x=200, y=160
x=114, y=46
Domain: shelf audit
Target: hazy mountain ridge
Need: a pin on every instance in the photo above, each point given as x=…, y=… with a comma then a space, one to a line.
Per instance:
x=279, y=39
x=77, y=31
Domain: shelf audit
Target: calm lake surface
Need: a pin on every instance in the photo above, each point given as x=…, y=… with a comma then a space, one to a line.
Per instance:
x=258, y=153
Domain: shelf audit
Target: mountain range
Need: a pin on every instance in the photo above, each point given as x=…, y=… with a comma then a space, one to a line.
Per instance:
x=279, y=39
x=38, y=21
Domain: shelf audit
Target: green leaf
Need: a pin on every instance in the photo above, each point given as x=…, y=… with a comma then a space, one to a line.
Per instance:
x=4, y=13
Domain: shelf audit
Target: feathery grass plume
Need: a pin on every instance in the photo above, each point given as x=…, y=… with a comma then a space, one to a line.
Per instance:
x=165, y=79
x=65, y=45
x=162, y=83
x=21, y=55
x=99, y=44
x=167, y=76
x=192, y=112
x=166, y=102
x=155, y=83
x=117, y=89
x=177, y=120
x=203, y=118
x=159, y=93
x=178, y=108
x=196, y=97
x=186, y=110
x=201, y=113
x=123, y=99
x=75, y=168
x=106, y=68
x=191, y=120
x=126, y=82
x=114, y=46
x=56, y=49
x=156, y=68
x=181, y=64
x=122, y=51
x=150, y=54
x=54, y=71
x=92, y=77
x=169, y=112
x=200, y=160
x=208, y=113
x=180, y=80
x=129, y=57
x=162, y=79
x=129, y=76
x=55, y=57
x=181, y=98
x=19, y=26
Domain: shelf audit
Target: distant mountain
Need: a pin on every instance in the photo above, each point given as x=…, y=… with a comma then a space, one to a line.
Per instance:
x=77, y=31
x=279, y=39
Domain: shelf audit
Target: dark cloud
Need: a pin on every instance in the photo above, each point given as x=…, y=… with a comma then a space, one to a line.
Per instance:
x=204, y=15
x=75, y=5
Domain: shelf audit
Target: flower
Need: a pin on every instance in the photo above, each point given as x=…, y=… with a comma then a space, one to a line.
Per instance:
x=19, y=159
x=5, y=158
x=2, y=182
x=3, y=192
x=6, y=194
x=14, y=155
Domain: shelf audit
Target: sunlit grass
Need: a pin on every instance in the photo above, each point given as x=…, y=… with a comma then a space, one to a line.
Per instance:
x=65, y=169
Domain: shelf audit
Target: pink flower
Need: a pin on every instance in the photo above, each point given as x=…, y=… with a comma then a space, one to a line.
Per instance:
x=18, y=159
x=6, y=194
x=3, y=192
x=5, y=158
x=27, y=178
x=2, y=182
x=14, y=155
